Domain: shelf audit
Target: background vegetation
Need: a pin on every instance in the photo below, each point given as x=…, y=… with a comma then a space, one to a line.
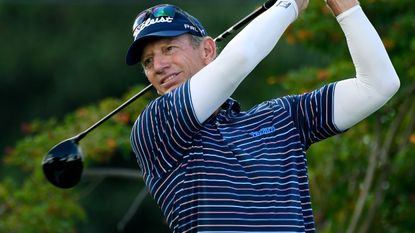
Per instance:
x=62, y=68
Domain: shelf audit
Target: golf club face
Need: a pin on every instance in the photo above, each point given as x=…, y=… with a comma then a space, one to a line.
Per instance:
x=63, y=165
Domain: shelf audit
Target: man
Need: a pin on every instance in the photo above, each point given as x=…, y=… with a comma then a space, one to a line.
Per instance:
x=211, y=167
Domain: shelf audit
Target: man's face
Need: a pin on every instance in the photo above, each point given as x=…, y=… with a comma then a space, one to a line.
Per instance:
x=168, y=62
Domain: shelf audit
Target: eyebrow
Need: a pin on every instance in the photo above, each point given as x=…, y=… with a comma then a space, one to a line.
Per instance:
x=166, y=40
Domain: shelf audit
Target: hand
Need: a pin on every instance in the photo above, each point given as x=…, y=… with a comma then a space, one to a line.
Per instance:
x=302, y=5
x=340, y=6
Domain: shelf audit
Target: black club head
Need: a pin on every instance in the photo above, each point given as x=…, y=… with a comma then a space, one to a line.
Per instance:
x=63, y=165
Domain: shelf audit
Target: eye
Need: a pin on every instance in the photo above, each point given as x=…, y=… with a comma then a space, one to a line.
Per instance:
x=147, y=62
x=170, y=49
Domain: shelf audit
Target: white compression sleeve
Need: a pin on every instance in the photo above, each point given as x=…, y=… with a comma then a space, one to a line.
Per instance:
x=216, y=82
x=376, y=80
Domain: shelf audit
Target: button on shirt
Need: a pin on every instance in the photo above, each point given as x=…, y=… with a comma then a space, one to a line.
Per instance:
x=237, y=171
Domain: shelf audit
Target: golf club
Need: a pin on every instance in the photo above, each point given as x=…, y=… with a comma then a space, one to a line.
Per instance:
x=63, y=164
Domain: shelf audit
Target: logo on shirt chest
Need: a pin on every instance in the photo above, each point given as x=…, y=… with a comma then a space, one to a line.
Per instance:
x=263, y=131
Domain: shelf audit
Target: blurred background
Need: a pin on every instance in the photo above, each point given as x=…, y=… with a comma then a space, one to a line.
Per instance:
x=62, y=68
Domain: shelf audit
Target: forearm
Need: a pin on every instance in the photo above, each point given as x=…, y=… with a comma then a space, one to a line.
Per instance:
x=376, y=80
x=216, y=82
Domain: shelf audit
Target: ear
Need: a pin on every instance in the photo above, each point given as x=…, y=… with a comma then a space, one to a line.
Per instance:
x=208, y=46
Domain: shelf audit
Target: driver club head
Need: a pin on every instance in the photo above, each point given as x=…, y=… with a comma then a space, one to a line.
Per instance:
x=63, y=165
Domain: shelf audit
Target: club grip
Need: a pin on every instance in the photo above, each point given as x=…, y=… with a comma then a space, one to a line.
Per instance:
x=269, y=4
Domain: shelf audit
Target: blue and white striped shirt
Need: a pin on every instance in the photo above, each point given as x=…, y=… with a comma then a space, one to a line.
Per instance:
x=237, y=171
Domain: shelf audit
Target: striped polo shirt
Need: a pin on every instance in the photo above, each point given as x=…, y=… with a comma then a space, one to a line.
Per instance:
x=237, y=171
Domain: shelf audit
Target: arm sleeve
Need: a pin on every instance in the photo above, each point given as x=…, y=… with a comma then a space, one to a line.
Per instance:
x=211, y=86
x=376, y=80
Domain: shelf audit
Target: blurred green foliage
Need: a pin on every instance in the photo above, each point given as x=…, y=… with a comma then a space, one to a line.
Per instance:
x=60, y=57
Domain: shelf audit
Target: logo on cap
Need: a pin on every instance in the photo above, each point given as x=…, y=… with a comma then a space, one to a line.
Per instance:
x=187, y=26
x=150, y=22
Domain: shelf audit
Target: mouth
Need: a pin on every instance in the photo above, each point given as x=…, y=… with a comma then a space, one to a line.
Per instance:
x=169, y=81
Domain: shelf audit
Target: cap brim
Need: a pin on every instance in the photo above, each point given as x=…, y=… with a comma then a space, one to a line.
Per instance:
x=134, y=52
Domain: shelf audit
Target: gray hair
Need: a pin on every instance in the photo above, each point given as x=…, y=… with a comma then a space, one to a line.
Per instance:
x=196, y=40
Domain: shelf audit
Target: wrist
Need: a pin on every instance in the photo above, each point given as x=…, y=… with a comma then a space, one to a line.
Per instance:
x=340, y=6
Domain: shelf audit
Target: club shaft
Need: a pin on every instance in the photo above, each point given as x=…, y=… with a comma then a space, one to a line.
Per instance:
x=219, y=38
x=81, y=135
x=246, y=20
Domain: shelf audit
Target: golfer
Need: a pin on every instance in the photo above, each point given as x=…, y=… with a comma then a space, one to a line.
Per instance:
x=214, y=168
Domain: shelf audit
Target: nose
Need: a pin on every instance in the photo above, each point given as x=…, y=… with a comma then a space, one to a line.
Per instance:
x=160, y=63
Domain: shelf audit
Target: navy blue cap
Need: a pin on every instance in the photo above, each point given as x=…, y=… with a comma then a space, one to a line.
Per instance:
x=161, y=21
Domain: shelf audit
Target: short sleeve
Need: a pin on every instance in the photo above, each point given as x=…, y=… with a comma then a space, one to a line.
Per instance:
x=312, y=114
